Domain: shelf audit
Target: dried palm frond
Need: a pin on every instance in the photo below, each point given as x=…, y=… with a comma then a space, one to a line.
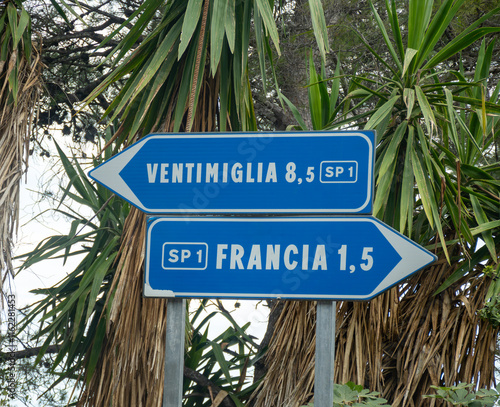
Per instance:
x=130, y=370
x=290, y=358
x=20, y=82
x=398, y=344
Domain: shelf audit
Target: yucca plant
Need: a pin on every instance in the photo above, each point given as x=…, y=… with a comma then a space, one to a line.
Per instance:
x=190, y=73
x=221, y=365
x=438, y=181
x=72, y=313
x=20, y=71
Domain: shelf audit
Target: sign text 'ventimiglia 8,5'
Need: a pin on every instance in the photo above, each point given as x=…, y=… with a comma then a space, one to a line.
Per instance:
x=245, y=173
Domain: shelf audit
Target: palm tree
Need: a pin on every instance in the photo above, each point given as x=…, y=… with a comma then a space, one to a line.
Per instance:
x=20, y=69
x=175, y=84
x=437, y=181
x=189, y=74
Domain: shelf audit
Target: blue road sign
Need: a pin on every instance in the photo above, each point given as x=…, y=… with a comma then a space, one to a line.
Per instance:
x=318, y=172
x=352, y=258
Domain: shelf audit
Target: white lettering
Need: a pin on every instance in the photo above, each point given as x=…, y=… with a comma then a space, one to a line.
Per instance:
x=255, y=258
x=237, y=173
x=177, y=172
x=271, y=173
x=163, y=173
x=212, y=173
x=237, y=252
x=189, y=168
x=224, y=172
x=290, y=249
x=174, y=258
x=152, y=172
x=273, y=257
x=305, y=257
x=198, y=173
x=320, y=258
x=185, y=254
x=249, y=173
x=220, y=255
x=259, y=172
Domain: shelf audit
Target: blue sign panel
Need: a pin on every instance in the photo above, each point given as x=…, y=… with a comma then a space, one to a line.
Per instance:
x=353, y=258
x=319, y=172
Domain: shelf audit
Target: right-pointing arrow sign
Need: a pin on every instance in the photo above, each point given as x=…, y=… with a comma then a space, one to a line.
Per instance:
x=353, y=258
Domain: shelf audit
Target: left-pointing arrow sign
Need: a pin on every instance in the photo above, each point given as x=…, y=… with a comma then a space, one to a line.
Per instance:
x=354, y=258
x=319, y=172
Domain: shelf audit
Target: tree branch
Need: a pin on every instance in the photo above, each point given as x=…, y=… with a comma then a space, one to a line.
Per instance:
x=27, y=353
x=203, y=381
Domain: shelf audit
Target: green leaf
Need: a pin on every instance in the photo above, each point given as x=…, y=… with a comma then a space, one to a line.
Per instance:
x=319, y=26
x=217, y=29
x=391, y=153
x=387, y=40
x=99, y=336
x=418, y=20
x=396, y=31
x=430, y=120
x=102, y=269
x=437, y=27
x=60, y=10
x=259, y=40
x=452, y=124
x=424, y=188
x=152, y=66
x=221, y=361
x=335, y=90
x=410, y=54
x=295, y=113
x=72, y=11
x=264, y=8
x=409, y=100
x=12, y=16
x=407, y=187
x=381, y=113
x=24, y=20
x=486, y=226
x=146, y=10
x=230, y=24
x=189, y=24
x=482, y=219
x=458, y=44
x=315, y=102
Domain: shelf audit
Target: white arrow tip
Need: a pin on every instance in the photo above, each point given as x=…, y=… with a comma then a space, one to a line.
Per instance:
x=413, y=258
x=108, y=174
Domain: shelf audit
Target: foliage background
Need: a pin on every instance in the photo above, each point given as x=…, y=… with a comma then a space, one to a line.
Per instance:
x=74, y=69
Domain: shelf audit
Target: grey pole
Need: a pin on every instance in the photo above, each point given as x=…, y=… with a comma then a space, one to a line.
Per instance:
x=325, y=353
x=174, y=352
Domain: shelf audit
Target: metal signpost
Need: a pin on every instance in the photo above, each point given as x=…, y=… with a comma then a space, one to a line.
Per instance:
x=309, y=257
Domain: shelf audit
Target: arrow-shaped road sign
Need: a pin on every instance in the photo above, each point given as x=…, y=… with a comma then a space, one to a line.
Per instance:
x=320, y=172
x=354, y=258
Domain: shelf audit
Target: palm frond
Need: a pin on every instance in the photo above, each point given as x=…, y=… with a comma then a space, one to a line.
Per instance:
x=20, y=84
